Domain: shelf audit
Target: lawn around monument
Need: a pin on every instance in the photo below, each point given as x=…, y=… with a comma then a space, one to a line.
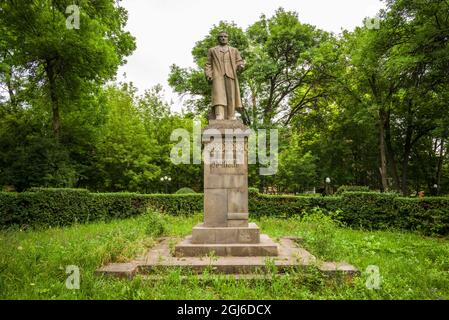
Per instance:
x=33, y=263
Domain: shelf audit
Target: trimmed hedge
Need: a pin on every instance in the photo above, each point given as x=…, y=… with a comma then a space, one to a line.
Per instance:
x=369, y=210
x=57, y=207
x=286, y=206
x=343, y=189
x=428, y=215
x=185, y=190
x=52, y=207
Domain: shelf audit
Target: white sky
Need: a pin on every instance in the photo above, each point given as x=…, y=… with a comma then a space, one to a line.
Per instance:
x=166, y=30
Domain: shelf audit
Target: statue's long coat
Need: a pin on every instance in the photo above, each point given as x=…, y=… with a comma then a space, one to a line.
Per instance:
x=215, y=69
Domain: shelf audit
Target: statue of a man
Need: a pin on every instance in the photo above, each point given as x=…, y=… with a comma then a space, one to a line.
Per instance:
x=223, y=63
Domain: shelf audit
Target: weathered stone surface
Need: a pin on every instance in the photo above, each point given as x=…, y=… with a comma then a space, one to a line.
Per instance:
x=202, y=234
x=266, y=247
x=226, y=235
x=226, y=124
x=335, y=267
x=218, y=181
x=248, y=235
x=215, y=207
x=224, y=169
x=237, y=215
x=237, y=201
x=119, y=269
x=237, y=223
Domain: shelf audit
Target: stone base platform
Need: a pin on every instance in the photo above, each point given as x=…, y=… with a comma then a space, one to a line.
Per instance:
x=221, y=235
x=290, y=256
x=264, y=247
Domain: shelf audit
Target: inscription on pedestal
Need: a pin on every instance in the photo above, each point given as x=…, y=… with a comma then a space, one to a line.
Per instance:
x=226, y=176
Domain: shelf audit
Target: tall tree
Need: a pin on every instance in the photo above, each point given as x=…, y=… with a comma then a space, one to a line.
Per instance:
x=285, y=65
x=418, y=33
x=63, y=61
x=125, y=154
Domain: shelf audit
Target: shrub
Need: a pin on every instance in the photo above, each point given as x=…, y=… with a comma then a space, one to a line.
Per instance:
x=319, y=229
x=253, y=190
x=343, y=189
x=156, y=224
x=185, y=191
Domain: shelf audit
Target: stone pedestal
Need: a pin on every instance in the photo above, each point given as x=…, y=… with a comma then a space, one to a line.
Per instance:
x=225, y=174
x=225, y=230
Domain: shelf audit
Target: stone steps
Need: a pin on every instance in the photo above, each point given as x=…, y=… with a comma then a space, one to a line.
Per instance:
x=264, y=247
x=290, y=256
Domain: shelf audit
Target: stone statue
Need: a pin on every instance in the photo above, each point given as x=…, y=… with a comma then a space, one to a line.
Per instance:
x=223, y=63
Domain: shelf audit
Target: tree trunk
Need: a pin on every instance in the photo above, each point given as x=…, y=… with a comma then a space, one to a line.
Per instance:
x=440, y=165
x=51, y=76
x=269, y=105
x=12, y=97
x=383, y=159
x=254, y=108
x=390, y=153
x=407, y=151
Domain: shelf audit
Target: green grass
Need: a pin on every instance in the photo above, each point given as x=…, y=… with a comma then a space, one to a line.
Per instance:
x=32, y=263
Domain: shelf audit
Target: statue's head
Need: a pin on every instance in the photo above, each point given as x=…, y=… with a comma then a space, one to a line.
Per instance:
x=223, y=38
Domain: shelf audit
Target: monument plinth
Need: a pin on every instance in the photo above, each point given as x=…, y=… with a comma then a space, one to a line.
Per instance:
x=226, y=230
